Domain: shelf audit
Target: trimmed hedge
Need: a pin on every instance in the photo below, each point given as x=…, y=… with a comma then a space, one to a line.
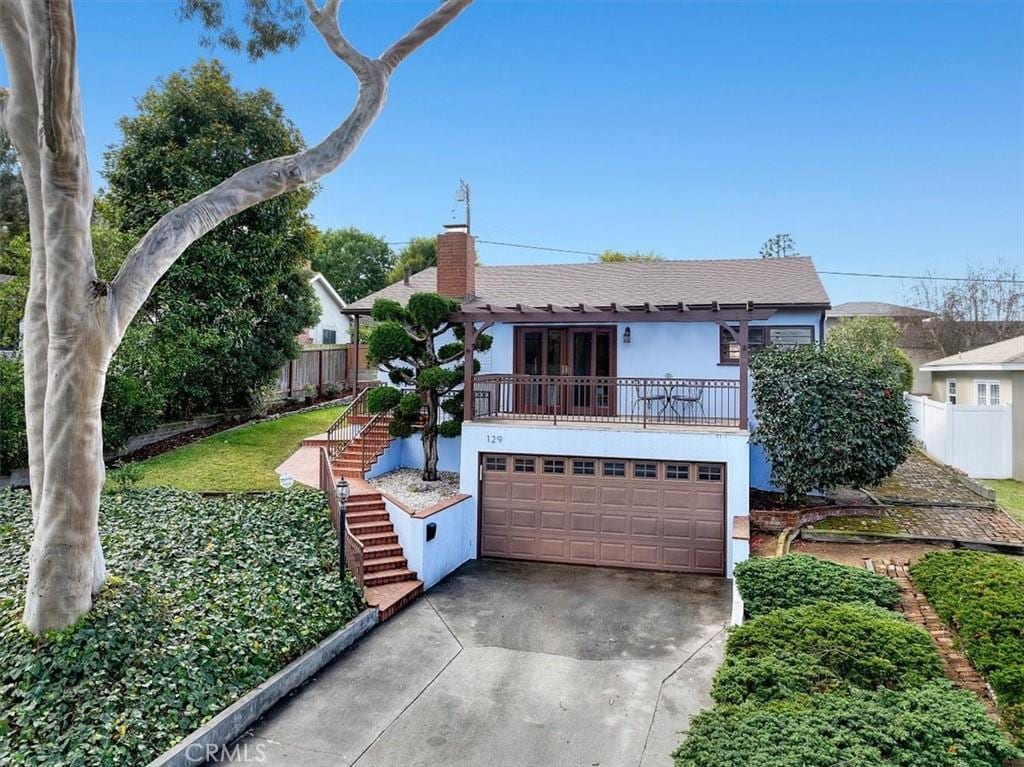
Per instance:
x=982, y=597
x=930, y=726
x=823, y=648
x=798, y=579
x=207, y=599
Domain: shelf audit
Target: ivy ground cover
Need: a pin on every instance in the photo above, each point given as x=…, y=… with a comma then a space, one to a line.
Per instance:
x=981, y=596
x=207, y=598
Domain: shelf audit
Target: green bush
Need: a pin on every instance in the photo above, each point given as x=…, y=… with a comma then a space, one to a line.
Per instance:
x=207, y=599
x=13, y=441
x=982, y=597
x=798, y=579
x=823, y=647
x=930, y=726
x=827, y=418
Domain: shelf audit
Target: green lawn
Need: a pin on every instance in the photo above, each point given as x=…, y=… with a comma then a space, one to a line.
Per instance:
x=238, y=460
x=1009, y=495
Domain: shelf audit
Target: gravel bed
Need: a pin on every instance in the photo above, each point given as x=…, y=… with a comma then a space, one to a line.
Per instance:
x=405, y=485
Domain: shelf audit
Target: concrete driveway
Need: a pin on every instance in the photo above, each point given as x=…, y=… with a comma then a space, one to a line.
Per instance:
x=509, y=664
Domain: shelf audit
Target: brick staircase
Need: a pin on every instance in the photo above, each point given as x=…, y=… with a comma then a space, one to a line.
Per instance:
x=388, y=583
x=361, y=453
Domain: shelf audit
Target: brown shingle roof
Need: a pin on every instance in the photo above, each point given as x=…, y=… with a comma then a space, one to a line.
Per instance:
x=765, y=281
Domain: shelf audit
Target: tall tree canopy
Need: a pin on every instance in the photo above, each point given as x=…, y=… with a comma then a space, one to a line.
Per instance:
x=417, y=255
x=779, y=246
x=13, y=201
x=356, y=263
x=875, y=340
x=225, y=316
x=618, y=256
x=985, y=307
x=74, y=320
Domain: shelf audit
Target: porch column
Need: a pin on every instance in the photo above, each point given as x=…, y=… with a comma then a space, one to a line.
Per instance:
x=354, y=342
x=468, y=341
x=744, y=371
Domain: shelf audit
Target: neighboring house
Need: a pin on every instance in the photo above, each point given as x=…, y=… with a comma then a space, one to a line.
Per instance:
x=611, y=418
x=989, y=377
x=915, y=339
x=333, y=325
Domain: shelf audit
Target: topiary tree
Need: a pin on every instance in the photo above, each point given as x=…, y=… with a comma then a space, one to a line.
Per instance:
x=404, y=342
x=875, y=339
x=826, y=418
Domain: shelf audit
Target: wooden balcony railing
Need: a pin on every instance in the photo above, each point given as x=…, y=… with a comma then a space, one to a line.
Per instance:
x=645, y=401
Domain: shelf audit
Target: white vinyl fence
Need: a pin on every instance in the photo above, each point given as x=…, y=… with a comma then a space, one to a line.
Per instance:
x=976, y=439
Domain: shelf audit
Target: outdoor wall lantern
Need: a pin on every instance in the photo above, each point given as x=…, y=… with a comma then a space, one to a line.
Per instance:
x=627, y=335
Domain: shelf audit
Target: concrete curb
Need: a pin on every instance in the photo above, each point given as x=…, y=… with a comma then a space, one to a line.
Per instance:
x=213, y=737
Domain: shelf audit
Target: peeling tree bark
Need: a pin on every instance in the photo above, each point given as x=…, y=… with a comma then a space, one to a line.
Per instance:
x=73, y=322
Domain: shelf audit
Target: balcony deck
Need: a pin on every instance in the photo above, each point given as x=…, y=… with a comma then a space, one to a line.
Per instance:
x=662, y=403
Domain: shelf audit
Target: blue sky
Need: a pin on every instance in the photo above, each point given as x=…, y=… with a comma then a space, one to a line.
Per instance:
x=885, y=137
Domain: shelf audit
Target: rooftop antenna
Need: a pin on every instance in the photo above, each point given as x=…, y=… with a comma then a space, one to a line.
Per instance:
x=462, y=195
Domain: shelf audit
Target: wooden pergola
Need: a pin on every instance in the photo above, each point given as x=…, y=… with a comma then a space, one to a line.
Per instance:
x=725, y=316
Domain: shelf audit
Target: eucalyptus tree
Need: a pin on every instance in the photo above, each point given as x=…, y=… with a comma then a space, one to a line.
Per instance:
x=74, y=320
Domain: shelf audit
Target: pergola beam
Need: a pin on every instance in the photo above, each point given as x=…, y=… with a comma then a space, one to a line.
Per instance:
x=568, y=316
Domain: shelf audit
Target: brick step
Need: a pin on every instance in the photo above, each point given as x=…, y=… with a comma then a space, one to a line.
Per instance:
x=379, y=564
x=361, y=503
x=378, y=539
x=388, y=576
x=362, y=517
x=365, y=528
x=381, y=551
x=392, y=597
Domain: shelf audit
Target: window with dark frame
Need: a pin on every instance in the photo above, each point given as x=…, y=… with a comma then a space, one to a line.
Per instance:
x=613, y=468
x=524, y=465
x=554, y=466
x=706, y=473
x=495, y=463
x=329, y=336
x=645, y=470
x=677, y=471
x=583, y=468
x=760, y=336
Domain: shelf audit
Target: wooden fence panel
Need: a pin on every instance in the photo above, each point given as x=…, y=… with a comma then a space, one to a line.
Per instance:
x=314, y=368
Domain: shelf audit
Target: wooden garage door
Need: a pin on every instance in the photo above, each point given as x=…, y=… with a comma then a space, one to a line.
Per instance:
x=658, y=515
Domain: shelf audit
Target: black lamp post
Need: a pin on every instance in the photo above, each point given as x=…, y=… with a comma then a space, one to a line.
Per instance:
x=343, y=492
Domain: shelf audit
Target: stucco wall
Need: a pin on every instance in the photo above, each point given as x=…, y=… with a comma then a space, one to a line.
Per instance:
x=967, y=391
x=720, y=447
x=408, y=453
x=451, y=546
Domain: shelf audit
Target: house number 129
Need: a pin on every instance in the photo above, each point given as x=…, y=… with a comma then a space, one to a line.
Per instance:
x=493, y=439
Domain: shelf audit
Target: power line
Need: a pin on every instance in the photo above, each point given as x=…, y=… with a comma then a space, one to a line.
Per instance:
x=572, y=251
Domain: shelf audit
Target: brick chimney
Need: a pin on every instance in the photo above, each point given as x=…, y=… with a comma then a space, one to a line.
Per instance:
x=456, y=262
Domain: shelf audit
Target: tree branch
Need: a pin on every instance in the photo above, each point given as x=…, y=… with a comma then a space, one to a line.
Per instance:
x=164, y=243
x=422, y=32
x=5, y=96
x=326, y=22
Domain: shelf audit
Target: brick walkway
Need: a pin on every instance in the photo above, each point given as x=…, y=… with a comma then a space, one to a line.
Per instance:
x=958, y=524
x=922, y=480
x=917, y=609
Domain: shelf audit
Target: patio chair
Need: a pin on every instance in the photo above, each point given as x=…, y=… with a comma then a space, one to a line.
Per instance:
x=691, y=397
x=644, y=396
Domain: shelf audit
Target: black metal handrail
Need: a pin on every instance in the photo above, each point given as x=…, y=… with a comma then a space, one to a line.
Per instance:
x=349, y=424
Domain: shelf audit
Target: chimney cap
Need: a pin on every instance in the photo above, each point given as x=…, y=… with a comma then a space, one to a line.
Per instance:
x=456, y=227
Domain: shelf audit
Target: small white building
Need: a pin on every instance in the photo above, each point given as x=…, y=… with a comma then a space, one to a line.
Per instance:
x=333, y=325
